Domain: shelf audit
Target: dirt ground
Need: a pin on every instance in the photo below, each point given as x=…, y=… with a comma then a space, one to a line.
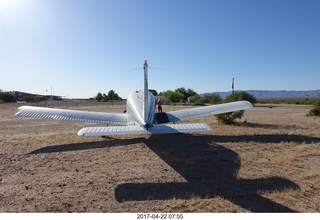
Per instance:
x=268, y=164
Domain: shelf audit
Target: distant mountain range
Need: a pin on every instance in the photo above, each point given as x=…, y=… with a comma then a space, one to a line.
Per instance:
x=266, y=94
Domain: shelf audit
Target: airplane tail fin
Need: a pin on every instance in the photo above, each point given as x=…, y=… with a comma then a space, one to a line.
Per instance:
x=145, y=90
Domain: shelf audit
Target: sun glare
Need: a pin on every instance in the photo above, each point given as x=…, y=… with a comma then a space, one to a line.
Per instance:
x=12, y=4
x=8, y=4
x=5, y=2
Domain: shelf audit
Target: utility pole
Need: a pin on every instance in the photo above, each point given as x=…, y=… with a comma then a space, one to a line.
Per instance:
x=232, y=85
x=51, y=100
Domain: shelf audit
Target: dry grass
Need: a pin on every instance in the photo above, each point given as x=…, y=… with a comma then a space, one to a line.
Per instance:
x=269, y=164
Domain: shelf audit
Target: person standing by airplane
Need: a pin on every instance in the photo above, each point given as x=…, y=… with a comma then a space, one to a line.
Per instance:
x=159, y=103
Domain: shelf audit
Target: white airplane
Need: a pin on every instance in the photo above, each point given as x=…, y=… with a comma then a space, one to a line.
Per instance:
x=139, y=118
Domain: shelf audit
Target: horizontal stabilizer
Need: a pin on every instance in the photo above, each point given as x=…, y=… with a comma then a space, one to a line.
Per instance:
x=159, y=129
x=179, y=128
x=113, y=130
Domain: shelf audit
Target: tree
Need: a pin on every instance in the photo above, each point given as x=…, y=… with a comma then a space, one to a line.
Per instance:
x=112, y=95
x=154, y=92
x=212, y=98
x=29, y=98
x=191, y=93
x=196, y=99
x=172, y=96
x=241, y=95
x=186, y=93
x=183, y=91
x=230, y=117
x=99, y=97
x=105, y=97
x=6, y=96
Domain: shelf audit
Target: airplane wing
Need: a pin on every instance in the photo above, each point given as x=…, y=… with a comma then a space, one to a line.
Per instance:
x=191, y=113
x=72, y=115
x=170, y=117
x=157, y=129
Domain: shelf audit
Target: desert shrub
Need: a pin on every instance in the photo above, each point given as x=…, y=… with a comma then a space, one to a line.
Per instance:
x=230, y=117
x=315, y=111
x=295, y=101
x=29, y=98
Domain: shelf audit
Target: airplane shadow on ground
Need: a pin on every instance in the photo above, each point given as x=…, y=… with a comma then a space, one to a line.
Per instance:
x=209, y=169
x=87, y=145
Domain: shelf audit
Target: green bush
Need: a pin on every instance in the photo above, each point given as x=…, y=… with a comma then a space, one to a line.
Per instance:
x=29, y=98
x=230, y=117
x=173, y=96
x=316, y=109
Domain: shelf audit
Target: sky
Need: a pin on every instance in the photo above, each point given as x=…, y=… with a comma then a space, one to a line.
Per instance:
x=77, y=48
